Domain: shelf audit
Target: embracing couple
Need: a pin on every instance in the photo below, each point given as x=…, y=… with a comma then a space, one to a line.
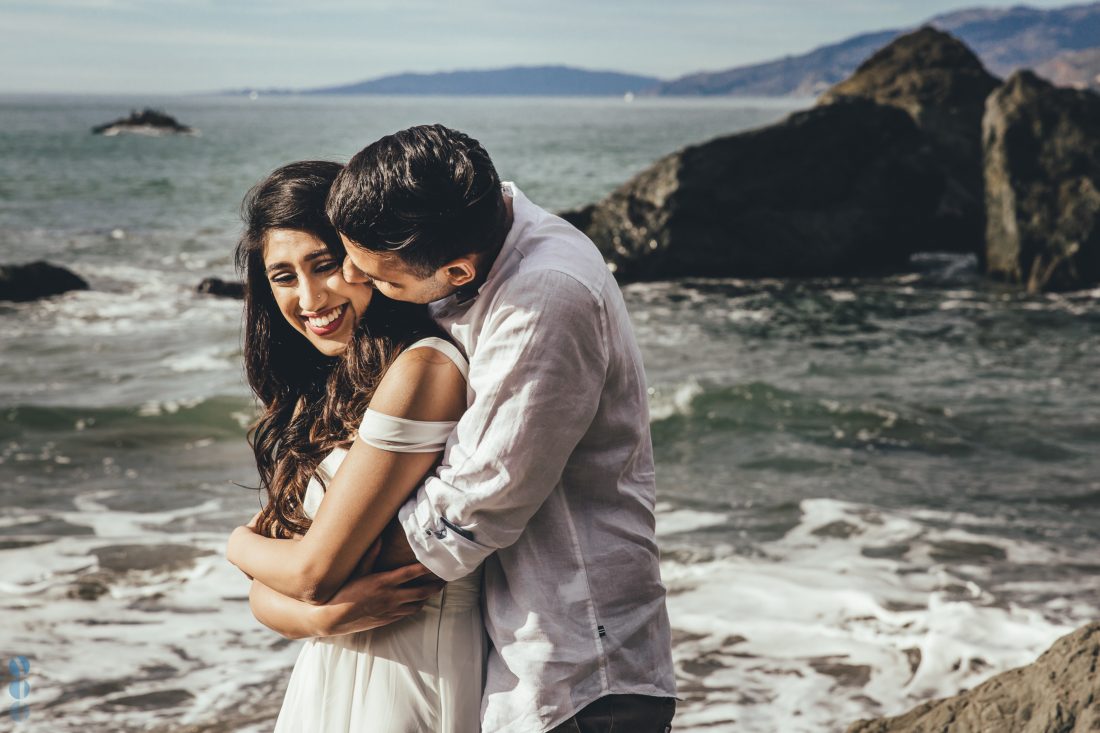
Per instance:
x=454, y=443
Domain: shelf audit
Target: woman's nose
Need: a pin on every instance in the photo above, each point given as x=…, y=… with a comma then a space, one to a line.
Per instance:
x=312, y=295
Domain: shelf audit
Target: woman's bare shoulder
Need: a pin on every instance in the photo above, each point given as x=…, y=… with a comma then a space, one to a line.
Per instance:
x=421, y=384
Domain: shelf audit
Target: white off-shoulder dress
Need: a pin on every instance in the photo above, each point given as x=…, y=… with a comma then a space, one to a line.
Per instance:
x=422, y=673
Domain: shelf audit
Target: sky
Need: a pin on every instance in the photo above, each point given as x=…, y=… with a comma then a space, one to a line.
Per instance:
x=179, y=46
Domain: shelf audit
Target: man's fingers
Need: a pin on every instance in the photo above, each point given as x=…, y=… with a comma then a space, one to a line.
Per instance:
x=403, y=574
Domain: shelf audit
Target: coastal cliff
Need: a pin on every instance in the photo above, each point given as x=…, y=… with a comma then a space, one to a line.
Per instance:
x=852, y=187
x=1059, y=693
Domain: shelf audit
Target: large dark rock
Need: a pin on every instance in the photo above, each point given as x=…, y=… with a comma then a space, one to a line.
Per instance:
x=1059, y=693
x=36, y=280
x=1042, y=181
x=222, y=288
x=146, y=122
x=943, y=86
x=846, y=188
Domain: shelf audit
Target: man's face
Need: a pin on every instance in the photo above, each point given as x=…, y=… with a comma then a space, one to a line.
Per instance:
x=391, y=277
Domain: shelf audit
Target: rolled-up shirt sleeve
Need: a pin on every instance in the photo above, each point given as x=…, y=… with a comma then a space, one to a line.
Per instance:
x=536, y=376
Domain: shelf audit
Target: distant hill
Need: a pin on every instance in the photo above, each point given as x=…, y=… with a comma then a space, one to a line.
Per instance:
x=1004, y=38
x=1073, y=68
x=513, y=81
x=805, y=75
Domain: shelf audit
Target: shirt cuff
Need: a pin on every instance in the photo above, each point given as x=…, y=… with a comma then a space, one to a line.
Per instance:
x=440, y=545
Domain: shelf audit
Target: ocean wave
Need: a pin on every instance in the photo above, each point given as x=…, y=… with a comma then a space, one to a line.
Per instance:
x=696, y=410
x=855, y=611
x=849, y=615
x=155, y=421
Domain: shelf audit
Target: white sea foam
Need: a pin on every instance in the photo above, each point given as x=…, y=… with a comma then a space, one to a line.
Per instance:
x=814, y=634
x=808, y=634
x=191, y=619
x=677, y=400
x=672, y=521
x=209, y=359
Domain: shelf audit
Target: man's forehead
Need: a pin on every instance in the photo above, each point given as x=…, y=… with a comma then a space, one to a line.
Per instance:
x=372, y=263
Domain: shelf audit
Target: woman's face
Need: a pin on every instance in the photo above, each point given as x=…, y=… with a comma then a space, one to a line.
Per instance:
x=310, y=289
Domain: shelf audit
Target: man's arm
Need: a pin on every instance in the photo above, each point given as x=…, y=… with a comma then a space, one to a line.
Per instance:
x=537, y=377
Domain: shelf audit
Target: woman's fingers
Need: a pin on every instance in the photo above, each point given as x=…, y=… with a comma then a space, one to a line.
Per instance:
x=416, y=593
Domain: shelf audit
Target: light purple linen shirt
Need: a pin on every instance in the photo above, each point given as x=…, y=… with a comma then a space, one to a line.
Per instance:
x=548, y=479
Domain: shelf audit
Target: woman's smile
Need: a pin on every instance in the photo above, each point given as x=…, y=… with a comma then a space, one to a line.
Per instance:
x=327, y=321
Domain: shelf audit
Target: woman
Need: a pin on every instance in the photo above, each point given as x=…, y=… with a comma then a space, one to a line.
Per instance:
x=358, y=397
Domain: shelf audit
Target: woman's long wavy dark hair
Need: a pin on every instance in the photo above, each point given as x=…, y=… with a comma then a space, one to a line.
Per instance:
x=310, y=403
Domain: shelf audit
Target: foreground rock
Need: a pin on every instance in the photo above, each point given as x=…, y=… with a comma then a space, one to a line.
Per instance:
x=21, y=283
x=943, y=86
x=1059, y=693
x=846, y=188
x=222, y=288
x=147, y=122
x=1042, y=181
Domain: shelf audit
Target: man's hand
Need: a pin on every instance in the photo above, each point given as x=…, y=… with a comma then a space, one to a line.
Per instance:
x=376, y=599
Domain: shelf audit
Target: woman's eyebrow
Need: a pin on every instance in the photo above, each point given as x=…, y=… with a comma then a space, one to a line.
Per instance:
x=314, y=255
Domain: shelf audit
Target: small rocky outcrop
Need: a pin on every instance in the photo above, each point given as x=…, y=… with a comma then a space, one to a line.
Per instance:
x=845, y=188
x=1058, y=693
x=1042, y=183
x=35, y=280
x=221, y=288
x=943, y=86
x=146, y=122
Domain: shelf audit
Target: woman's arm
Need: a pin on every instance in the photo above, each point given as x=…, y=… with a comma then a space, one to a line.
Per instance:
x=364, y=602
x=286, y=616
x=366, y=492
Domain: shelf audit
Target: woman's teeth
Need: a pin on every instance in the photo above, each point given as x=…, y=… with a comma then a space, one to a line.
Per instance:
x=332, y=315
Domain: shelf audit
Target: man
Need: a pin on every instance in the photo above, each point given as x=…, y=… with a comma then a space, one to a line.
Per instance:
x=548, y=477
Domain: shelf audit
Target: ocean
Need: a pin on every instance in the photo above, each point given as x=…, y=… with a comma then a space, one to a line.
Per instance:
x=871, y=491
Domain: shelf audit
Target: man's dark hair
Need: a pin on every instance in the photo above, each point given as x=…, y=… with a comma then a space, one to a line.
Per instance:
x=429, y=194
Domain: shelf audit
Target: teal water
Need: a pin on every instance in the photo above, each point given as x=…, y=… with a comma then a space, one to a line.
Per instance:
x=848, y=469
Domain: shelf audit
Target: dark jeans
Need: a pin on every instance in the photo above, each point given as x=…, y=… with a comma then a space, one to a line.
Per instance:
x=623, y=714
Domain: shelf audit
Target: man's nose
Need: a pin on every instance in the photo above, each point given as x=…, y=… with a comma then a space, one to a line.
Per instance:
x=352, y=273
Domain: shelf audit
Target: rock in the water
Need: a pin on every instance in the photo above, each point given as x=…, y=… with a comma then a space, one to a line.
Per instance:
x=146, y=122
x=36, y=280
x=943, y=86
x=223, y=288
x=1042, y=179
x=846, y=188
x=1059, y=693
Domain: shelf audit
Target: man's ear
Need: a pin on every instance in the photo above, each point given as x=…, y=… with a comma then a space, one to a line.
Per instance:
x=460, y=271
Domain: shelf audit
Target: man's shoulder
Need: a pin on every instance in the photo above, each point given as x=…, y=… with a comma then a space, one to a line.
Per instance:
x=552, y=244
